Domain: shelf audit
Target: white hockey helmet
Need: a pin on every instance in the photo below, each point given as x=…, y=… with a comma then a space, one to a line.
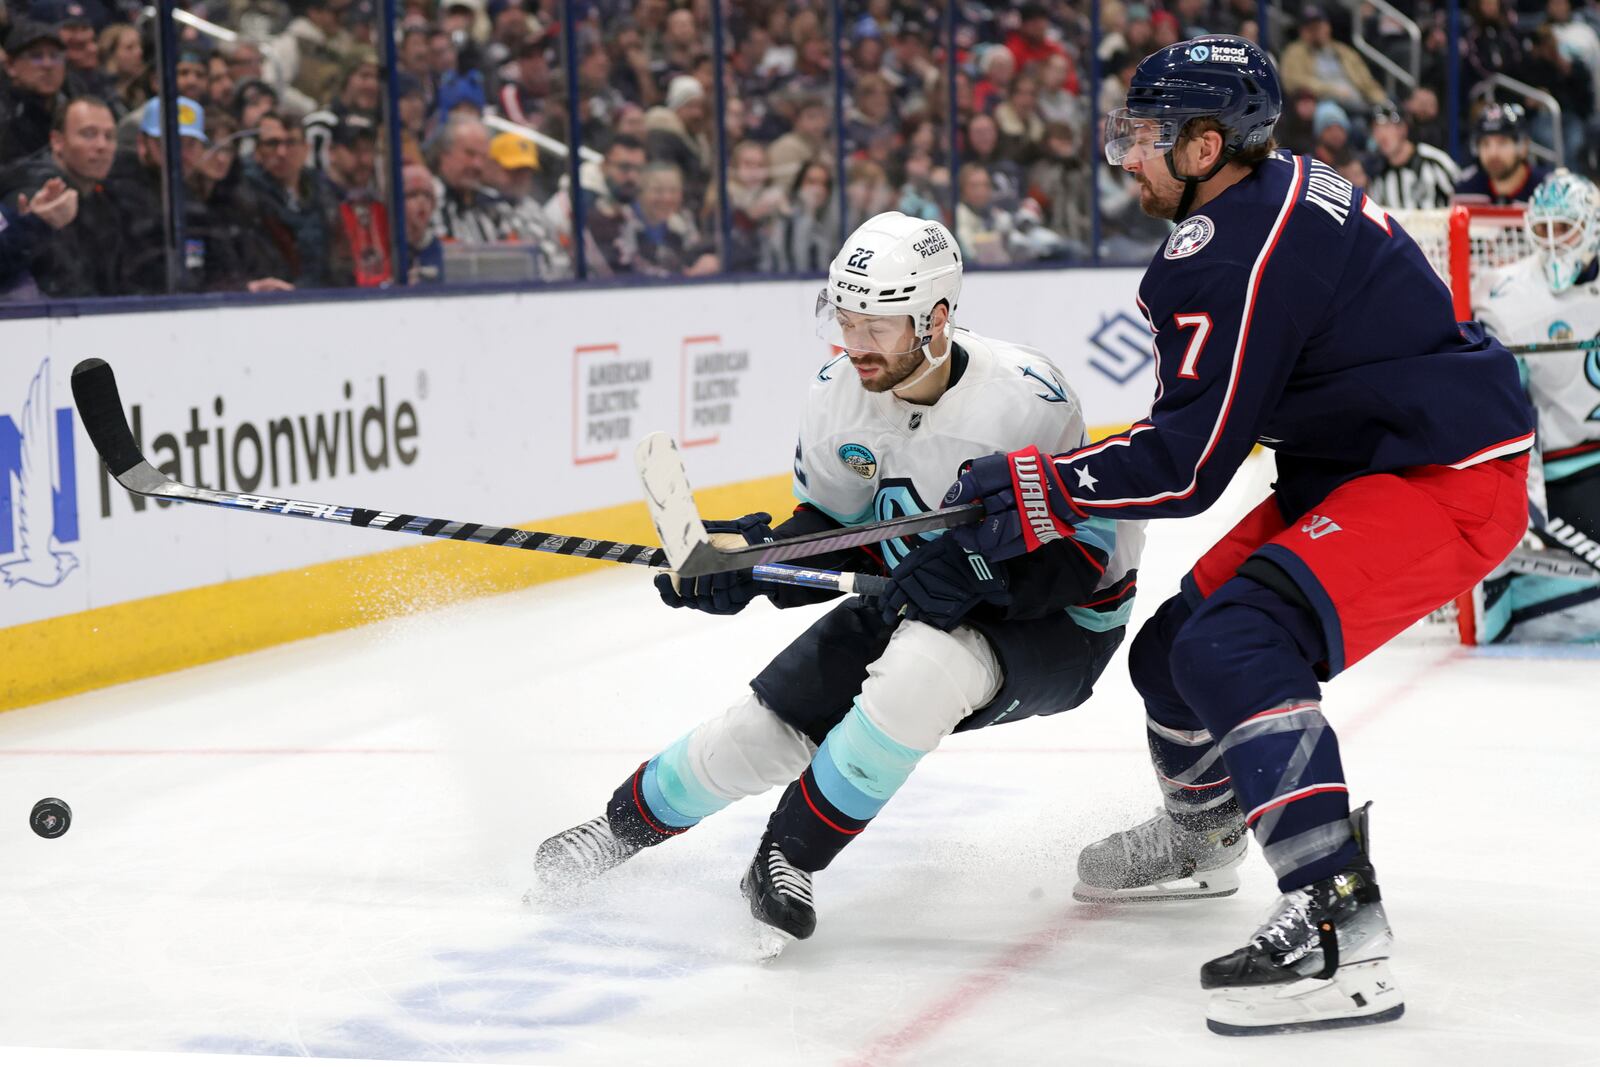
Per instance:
x=892, y=265
x=1563, y=221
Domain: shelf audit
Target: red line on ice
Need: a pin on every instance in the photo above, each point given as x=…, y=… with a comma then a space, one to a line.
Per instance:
x=974, y=988
x=987, y=979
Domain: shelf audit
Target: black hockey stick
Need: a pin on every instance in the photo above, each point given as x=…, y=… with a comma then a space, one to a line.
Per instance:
x=689, y=548
x=1545, y=348
x=94, y=387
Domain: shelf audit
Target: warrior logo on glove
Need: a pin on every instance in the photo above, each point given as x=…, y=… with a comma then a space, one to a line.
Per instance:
x=1031, y=495
x=1037, y=486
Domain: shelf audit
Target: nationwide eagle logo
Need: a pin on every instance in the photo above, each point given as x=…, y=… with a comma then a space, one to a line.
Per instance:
x=859, y=459
x=40, y=501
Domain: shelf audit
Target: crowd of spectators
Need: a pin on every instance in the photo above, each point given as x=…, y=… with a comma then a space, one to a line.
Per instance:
x=282, y=137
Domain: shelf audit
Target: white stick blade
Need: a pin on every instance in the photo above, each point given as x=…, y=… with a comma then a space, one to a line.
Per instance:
x=669, y=497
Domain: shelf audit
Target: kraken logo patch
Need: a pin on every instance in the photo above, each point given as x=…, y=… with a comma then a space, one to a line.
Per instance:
x=859, y=459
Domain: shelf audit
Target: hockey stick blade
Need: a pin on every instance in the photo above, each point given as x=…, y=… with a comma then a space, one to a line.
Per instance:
x=94, y=388
x=689, y=548
x=670, y=499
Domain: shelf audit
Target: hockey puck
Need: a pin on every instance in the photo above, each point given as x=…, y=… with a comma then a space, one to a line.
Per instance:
x=50, y=818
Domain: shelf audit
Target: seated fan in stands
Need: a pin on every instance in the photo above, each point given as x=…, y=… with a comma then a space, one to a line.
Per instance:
x=1503, y=173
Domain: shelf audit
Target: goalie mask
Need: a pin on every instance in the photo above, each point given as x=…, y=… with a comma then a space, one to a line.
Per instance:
x=891, y=268
x=1563, y=222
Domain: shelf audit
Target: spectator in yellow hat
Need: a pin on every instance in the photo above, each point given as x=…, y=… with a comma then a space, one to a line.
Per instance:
x=472, y=211
x=514, y=163
x=514, y=172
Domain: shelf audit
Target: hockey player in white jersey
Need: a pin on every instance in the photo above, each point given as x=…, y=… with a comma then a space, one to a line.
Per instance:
x=841, y=717
x=1550, y=297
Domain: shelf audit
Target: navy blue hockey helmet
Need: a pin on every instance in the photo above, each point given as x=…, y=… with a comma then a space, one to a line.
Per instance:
x=1226, y=78
x=1507, y=120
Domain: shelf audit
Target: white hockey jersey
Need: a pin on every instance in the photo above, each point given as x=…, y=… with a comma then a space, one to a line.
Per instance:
x=1516, y=306
x=865, y=457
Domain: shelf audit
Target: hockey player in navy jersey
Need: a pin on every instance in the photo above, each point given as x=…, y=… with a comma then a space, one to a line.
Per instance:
x=842, y=716
x=1503, y=173
x=1288, y=310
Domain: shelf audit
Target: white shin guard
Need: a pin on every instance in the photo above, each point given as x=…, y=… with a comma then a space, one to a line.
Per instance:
x=744, y=751
x=922, y=686
x=927, y=681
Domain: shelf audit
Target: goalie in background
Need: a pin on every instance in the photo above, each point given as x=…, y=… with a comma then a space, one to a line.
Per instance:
x=1547, y=298
x=842, y=716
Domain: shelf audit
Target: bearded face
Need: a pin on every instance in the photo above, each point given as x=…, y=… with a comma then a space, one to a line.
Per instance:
x=882, y=348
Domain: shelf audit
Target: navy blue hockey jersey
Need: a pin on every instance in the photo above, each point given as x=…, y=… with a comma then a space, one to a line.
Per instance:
x=1474, y=185
x=1294, y=312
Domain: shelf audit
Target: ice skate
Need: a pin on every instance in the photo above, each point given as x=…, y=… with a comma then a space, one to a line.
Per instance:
x=780, y=899
x=1161, y=860
x=575, y=858
x=1319, y=962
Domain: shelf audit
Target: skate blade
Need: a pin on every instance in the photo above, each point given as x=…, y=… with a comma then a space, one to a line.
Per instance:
x=769, y=941
x=1388, y=1015
x=1203, y=886
x=1360, y=994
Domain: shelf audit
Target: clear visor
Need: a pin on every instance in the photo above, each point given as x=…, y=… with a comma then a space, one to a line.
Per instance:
x=1137, y=138
x=858, y=334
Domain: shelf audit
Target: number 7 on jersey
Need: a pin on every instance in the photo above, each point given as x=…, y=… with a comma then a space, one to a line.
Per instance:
x=1200, y=322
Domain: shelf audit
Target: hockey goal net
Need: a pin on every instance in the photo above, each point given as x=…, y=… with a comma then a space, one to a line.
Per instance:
x=1464, y=243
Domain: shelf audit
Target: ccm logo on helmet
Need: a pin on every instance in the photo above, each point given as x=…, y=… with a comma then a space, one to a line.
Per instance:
x=1035, y=505
x=932, y=241
x=852, y=287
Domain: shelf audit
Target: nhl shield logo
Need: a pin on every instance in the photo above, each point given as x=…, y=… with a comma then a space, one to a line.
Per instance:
x=860, y=459
x=1192, y=234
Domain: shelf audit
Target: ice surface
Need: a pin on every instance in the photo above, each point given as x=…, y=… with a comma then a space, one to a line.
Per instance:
x=322, y=850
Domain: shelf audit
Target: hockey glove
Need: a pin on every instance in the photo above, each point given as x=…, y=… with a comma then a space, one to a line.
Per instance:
x=720, y=594
x=940, y=582
x=999, y=481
